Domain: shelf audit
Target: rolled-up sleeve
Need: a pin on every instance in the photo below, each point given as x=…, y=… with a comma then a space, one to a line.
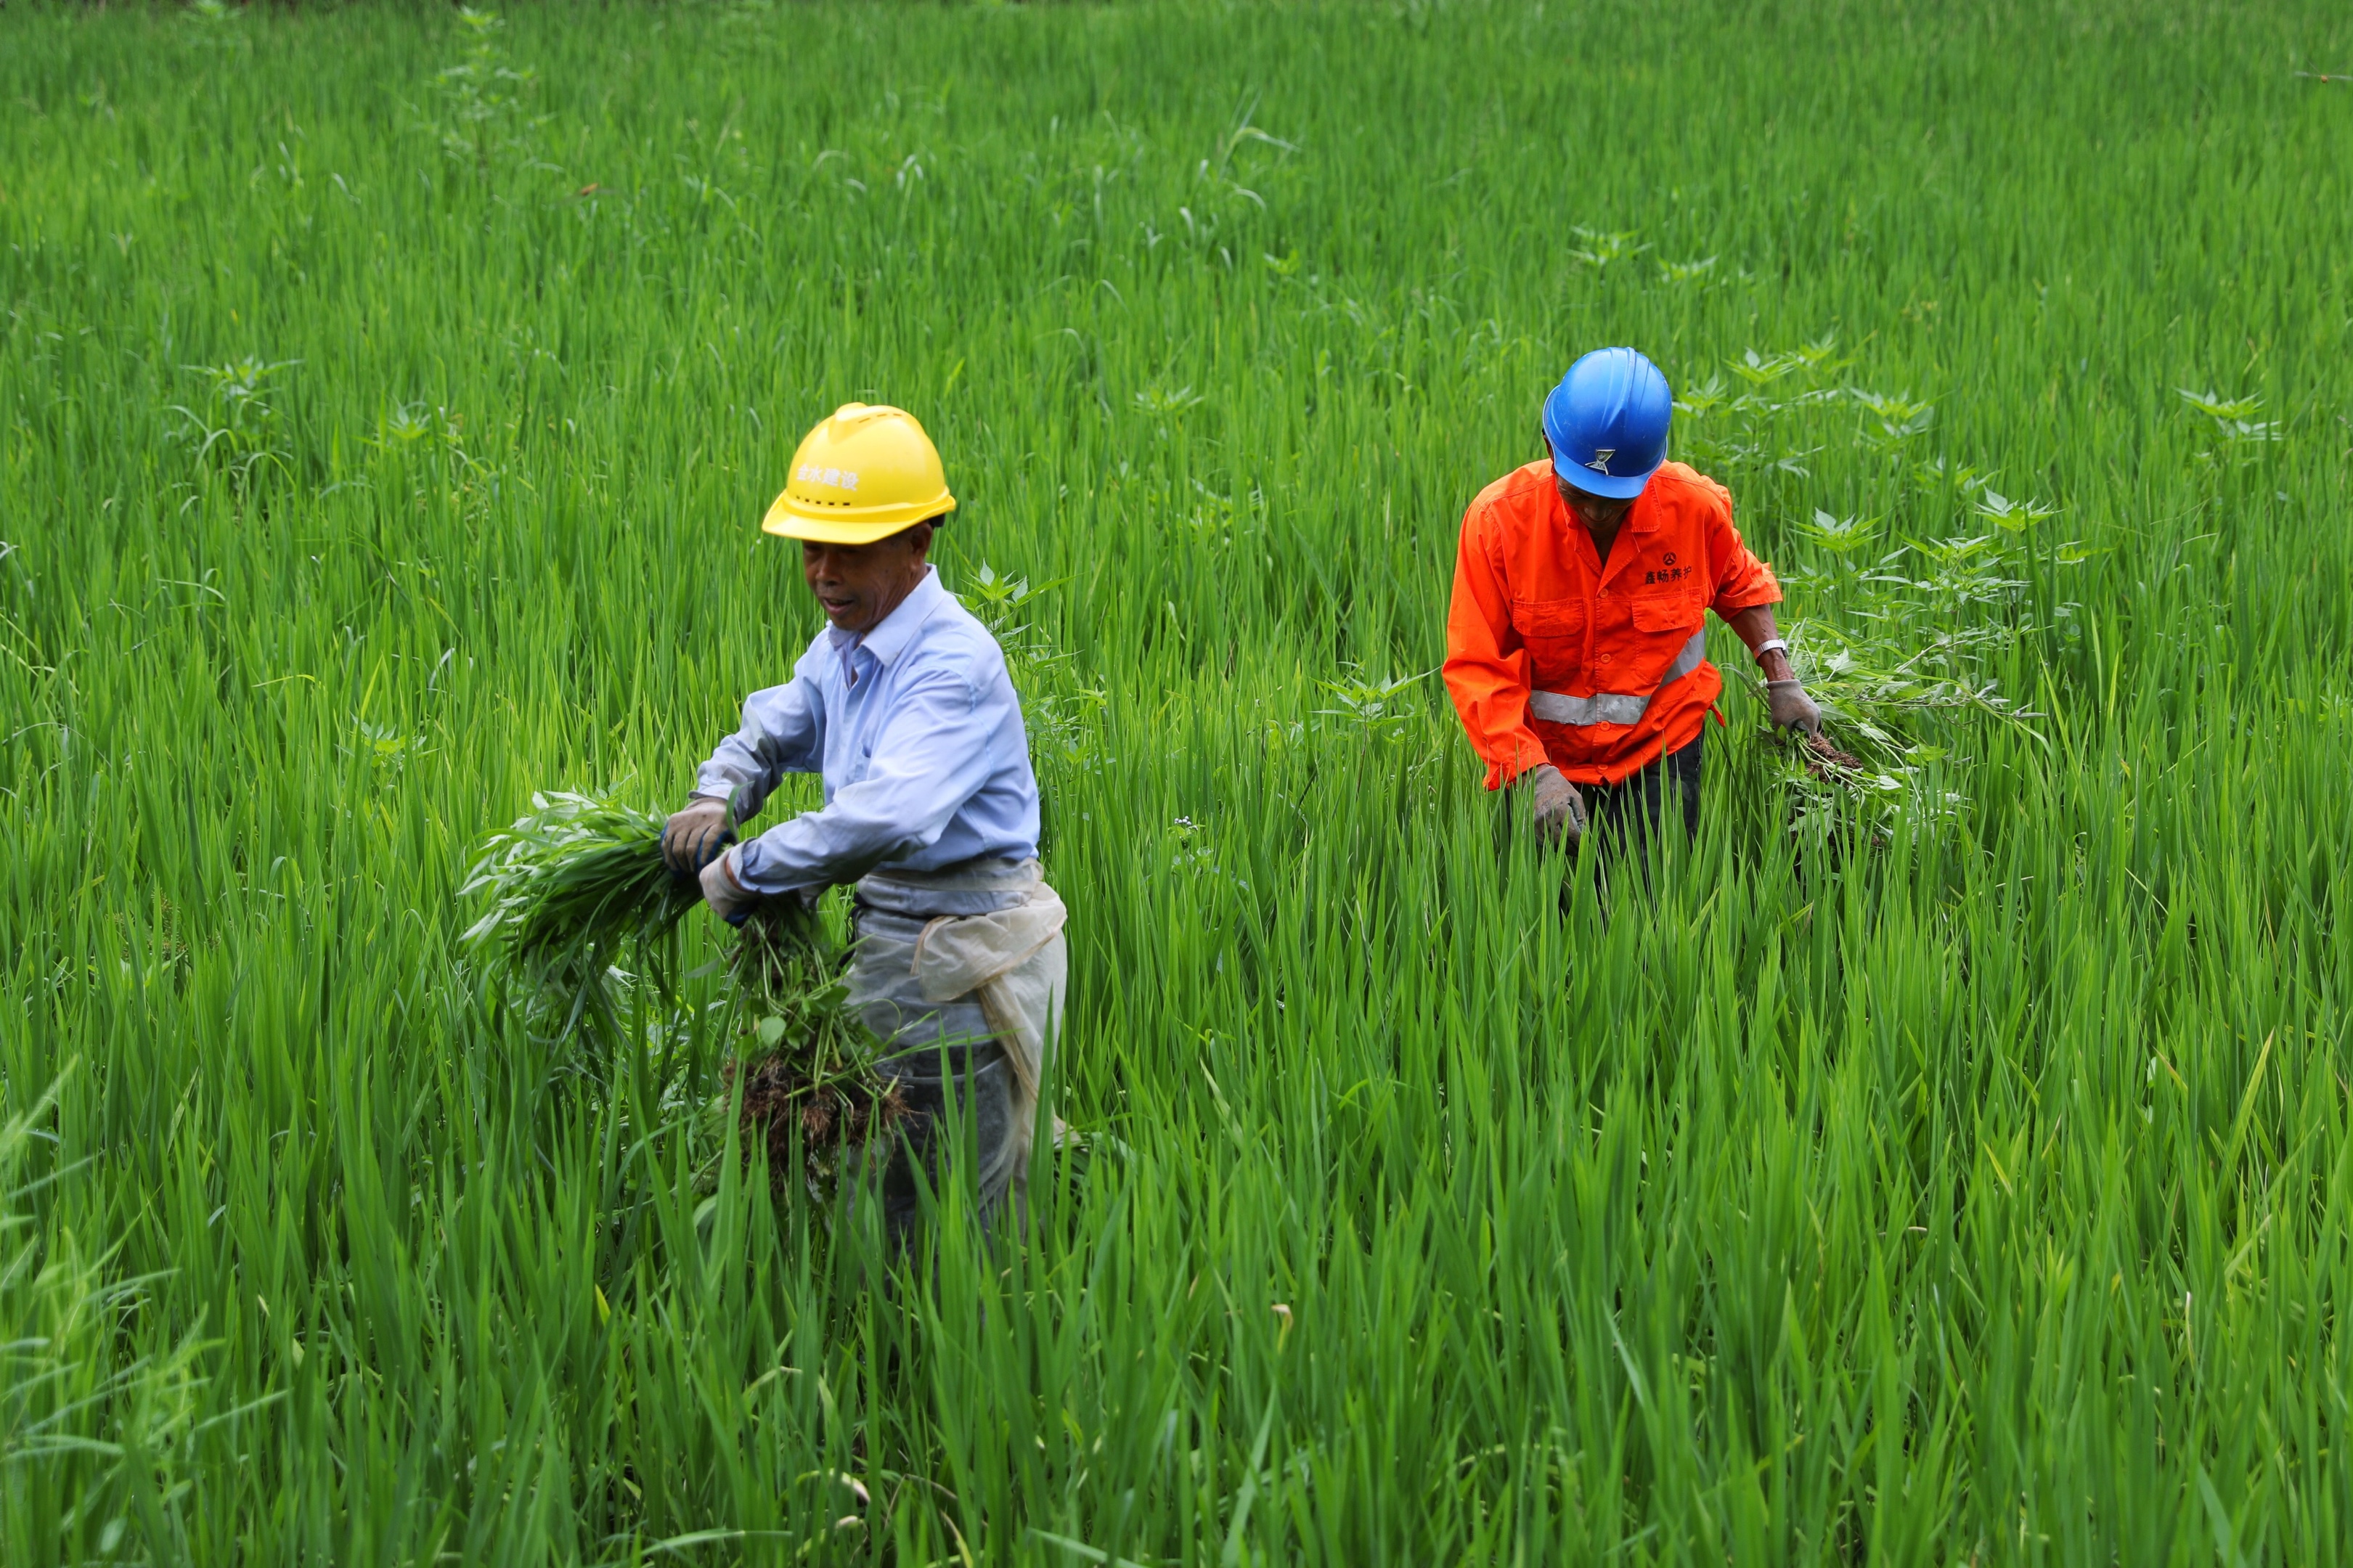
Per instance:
x=1742, y=581
x=1486, y=669
x=931, y=755
x=783, y=733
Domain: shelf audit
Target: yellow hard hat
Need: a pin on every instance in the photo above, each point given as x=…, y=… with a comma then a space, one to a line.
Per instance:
x=863, y=474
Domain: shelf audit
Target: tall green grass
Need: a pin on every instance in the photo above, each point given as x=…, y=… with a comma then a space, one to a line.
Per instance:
x=386, y=406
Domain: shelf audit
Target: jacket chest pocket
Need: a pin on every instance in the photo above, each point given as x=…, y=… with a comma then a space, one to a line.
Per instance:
x=1551, y=623
x=1668, y=613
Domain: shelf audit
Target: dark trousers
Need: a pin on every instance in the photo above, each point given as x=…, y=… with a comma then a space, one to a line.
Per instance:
x=941, y=1057
x=976, y=1081
x=1620, y=819
x=1619, y=816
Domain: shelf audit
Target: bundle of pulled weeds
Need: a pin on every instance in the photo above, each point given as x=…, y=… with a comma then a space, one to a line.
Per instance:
x=805, y=1063
x=1836, y=791
x=578, y=884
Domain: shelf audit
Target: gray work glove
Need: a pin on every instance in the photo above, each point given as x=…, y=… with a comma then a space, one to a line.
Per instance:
x=1557, y=808
x=1792, y=708
x=691, y=839
x=723, y=889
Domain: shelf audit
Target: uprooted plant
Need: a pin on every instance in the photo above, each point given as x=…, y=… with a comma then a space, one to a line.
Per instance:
x=805, y=1063
x=578, y=884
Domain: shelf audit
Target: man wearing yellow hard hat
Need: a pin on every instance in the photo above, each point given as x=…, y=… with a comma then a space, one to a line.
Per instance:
x=903, y=705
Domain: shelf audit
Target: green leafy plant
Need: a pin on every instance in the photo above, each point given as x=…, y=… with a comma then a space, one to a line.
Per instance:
x=485, y=101
x=233, y=431
x=572, y=888
x=1376, y=706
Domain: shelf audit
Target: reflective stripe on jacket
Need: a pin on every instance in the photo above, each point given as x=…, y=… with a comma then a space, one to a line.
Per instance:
x=1599, y=669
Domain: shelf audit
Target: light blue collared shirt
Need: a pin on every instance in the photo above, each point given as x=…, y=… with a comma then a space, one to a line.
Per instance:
x=916, y=730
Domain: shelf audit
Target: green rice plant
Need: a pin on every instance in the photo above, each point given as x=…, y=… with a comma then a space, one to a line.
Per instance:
x=96, y=1441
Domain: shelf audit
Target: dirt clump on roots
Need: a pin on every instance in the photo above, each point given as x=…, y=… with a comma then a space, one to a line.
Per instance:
x=1827, y=763
x=815, y=1124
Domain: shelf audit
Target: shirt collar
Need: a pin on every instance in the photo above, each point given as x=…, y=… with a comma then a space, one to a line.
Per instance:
x=887, y=641
x=844, y=645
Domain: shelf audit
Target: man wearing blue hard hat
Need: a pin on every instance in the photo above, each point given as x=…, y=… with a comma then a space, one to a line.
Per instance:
x=1576, y=644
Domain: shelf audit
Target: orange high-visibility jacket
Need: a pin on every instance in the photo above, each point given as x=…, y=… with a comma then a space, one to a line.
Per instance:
x=1553, y=656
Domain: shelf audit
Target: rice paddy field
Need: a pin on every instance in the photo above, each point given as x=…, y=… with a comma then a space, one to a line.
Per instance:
x=1945, y=1163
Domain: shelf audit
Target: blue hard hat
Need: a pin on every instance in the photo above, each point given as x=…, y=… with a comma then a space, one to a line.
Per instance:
x=1608, y=421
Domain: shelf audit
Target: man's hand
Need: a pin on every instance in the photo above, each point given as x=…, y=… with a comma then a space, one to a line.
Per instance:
x=1792, y=708
x=1557, y=808
x=691, y=839
x=729, y=898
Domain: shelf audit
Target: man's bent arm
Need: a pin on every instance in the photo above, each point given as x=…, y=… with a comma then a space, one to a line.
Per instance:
x=931, y=756
x=1745, y=591
x=782, y=734
x=1754, y=625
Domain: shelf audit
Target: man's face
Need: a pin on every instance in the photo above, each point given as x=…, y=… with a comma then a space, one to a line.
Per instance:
x=859, y=585
x=1598, y=513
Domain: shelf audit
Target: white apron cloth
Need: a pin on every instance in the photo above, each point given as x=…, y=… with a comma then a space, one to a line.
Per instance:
x=961, y=973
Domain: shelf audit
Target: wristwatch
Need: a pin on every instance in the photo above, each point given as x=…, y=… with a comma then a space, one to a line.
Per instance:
x=1770, y=644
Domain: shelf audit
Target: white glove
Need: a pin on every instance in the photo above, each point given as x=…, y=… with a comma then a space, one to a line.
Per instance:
x=1557, y=807
x=723, y=889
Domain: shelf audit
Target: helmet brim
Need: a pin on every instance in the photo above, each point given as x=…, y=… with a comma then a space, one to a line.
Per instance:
x=788, y=518
x=1609, y=486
